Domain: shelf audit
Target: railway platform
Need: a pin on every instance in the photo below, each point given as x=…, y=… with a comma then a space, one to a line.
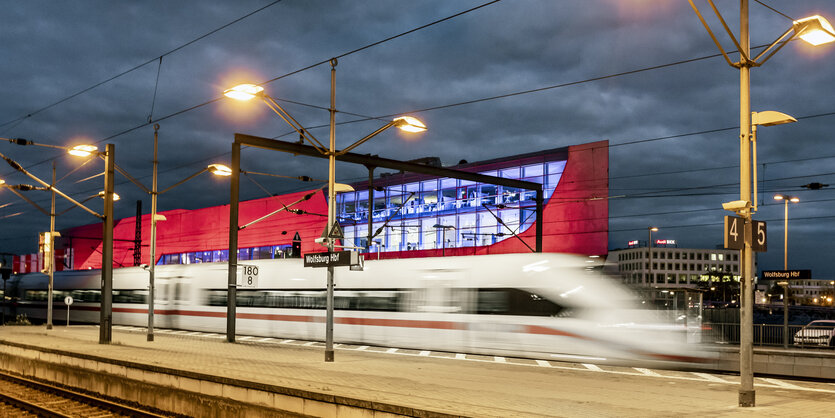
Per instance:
x=200, y=374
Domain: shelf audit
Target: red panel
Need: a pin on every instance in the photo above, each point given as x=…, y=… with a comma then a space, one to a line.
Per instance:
x=206, y=229
x=575, y=220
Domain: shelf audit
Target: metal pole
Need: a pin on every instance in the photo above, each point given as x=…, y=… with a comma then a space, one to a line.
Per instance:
x=332, y=214
x=233, y=241
x=51, y=255
x=786, y=234
x=786, y=315
x=370, y=204
x=4, y=300
x=152, y=258
x=106, y=320
x=747, y=395
x=649, y=250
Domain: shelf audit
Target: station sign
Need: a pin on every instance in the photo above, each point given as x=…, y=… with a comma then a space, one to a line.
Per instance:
x=330, y=259
x=787, y=274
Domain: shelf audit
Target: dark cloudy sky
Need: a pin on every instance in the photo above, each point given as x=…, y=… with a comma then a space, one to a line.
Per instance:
x=674, y=152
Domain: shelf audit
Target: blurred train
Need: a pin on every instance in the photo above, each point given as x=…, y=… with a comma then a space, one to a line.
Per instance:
x=538, y=305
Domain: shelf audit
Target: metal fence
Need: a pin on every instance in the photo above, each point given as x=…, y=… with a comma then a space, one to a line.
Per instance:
x=764, y=334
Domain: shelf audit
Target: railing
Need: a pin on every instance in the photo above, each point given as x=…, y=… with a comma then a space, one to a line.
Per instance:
x=764, y=335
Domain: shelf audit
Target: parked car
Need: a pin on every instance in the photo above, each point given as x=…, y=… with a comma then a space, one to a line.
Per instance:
x=820, y=332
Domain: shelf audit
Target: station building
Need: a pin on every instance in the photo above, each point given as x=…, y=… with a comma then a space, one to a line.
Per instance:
x=416, y=216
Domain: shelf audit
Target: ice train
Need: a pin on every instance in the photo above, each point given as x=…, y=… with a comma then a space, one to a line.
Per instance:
x=538, y=305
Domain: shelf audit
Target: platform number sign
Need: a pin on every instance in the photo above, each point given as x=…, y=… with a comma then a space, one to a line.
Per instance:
x=247, y=275
x=734, y=233
x=758, y=241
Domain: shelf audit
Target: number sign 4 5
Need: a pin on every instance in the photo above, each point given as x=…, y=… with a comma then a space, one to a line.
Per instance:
x=247, y=275
x=735, y=234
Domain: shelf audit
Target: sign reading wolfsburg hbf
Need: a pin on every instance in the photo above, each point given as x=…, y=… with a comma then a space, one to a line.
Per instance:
x=337, y=258
x=787, y=274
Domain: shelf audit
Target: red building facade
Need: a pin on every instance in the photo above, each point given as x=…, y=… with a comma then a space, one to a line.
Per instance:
x=575, y=219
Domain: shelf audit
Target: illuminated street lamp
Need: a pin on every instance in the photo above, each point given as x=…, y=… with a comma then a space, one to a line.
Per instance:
x=786, y=200
x=250, y=91
x=107, y=236
x=815, y=30
x=216, y=169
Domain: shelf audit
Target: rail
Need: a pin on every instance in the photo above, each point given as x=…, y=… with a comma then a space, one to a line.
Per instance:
x=52, y=401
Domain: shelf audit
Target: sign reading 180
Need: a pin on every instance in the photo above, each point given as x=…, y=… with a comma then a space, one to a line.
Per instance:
x=247, y=275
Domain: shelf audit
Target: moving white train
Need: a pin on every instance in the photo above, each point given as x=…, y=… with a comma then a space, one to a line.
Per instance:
x=544, y=306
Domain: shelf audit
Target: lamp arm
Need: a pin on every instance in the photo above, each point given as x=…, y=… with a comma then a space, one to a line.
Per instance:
x=20, y=195
x=776, y=41
x=367, y=137
x=712, y=36
x=18, y=167
x=182, y=181
x=91, y=158
x=294, y=123
x=132, y=180
x=728, y=30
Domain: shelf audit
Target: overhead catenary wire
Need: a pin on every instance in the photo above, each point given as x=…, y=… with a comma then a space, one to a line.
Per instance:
x=200, y=105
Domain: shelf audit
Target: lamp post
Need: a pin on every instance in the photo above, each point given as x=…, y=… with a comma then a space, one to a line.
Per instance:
x=815, y=30
x=107, y=225
x=650, y=230
x=216, y=169
x=405, y=123
x=786, y=200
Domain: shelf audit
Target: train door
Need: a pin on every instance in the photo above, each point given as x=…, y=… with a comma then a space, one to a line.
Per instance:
x=441, y=307
x=168, y=299
x=497, y=328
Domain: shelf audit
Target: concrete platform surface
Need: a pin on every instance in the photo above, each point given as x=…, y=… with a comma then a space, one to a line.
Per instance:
x=446, y=383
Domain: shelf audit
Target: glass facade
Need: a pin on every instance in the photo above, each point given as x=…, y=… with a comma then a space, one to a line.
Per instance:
x=445, y=212
x=220, y=256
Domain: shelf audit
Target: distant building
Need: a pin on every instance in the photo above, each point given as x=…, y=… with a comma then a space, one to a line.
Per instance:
x=675, y=267
x=814, y=292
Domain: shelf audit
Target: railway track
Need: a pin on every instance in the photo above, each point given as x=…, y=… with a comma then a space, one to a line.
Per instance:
x=24, y=397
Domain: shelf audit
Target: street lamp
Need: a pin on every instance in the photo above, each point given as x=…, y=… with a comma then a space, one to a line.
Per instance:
x=650, y=230
x=107, y=236
x=786, y=200
x=216, y=169
x=405, y=123
x=766, y=118
x=815, y=30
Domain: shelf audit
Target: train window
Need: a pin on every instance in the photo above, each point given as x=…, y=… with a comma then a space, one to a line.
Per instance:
x=355, y=300
x=508, y=301
x=130, y=296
